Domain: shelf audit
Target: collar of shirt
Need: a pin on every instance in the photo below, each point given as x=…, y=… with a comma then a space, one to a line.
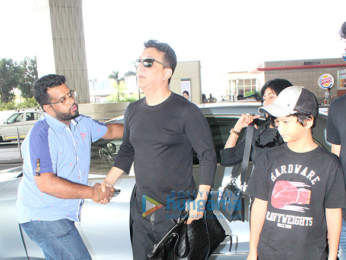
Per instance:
x=58, y=125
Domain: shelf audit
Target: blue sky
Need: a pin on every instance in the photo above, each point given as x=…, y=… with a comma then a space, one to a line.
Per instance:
x=225, y=35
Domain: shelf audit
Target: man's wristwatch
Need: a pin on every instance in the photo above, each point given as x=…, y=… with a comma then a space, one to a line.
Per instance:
x=234, y=131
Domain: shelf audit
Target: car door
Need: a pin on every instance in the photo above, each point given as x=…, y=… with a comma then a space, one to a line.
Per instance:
x=30, y=119
x=9, y=130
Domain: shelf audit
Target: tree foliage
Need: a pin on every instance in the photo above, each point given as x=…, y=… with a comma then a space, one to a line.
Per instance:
x=28, y=77
x=14, y=75
x=115, y=76
x=10, y=73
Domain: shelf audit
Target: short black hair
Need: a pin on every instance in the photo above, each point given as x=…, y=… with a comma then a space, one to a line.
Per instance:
x=170, y=59
x=301, y=119
x=42, y=84
x=186, y=92
x=343, y=30
x=277, y=85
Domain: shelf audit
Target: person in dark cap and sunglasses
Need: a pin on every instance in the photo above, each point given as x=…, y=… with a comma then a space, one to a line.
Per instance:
x=161, y=131
x=264, y=137
x=336, y=135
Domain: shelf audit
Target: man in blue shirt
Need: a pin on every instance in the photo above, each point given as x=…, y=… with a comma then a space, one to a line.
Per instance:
x=56, y=155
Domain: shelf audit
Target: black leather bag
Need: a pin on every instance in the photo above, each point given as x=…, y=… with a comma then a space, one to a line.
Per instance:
x=234, y=200
x=196, y=241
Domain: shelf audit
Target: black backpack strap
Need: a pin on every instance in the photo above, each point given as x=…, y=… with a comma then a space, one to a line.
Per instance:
x=247, y=151
x=235, y=171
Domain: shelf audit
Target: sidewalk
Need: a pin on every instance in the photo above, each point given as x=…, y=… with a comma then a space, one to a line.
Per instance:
x=9, y=154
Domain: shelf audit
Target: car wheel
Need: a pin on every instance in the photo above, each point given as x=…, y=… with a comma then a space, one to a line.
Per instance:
x=106, y=158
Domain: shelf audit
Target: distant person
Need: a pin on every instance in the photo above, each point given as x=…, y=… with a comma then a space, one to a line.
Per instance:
x=327, y=97
x=336, y=135
x=186, y=94
x=299, y=187
x=211, y=99
x=204, y=99
x=234, y=97
x=56, y=155
x=264, y=137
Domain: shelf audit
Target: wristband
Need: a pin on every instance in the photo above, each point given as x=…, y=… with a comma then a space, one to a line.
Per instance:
x=234, y=131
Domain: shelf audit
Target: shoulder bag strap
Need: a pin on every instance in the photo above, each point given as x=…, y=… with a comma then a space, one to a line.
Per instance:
x=247, y=150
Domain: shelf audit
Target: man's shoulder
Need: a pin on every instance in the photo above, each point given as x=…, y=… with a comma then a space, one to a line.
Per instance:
x=40, y=127
x=339, y=101
x=39, y=134
x=180, y=100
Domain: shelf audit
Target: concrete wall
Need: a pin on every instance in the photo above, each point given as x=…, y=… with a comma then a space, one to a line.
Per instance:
x=188, y=70
x=307, y=78
x=59, y=31
x=103, y=112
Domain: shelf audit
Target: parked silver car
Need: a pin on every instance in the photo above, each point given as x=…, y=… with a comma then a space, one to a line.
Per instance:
x=23, y=120
x=105, y=228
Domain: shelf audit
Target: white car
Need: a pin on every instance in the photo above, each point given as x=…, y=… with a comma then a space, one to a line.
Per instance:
x=23, y=120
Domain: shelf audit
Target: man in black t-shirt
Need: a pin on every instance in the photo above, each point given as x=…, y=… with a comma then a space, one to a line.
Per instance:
x=336, y=135
x=298, y=187
x=160, y=133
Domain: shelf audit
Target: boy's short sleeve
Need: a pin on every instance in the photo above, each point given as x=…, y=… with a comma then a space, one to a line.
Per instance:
x=335, y=191
x=258, y=187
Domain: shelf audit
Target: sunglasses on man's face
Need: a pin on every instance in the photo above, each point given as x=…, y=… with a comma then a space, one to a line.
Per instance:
x=148, y=63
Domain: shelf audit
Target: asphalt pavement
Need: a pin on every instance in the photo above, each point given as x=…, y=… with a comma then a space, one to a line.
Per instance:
x=10, y=153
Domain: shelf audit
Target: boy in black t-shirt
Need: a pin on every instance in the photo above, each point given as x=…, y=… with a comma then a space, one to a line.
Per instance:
x=298, y=187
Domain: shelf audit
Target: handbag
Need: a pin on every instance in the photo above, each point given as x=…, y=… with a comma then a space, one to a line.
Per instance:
x=234, y=200
x=196, y=241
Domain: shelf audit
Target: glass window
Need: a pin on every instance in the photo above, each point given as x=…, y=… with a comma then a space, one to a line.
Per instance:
x=18, y=117
x=32, y=116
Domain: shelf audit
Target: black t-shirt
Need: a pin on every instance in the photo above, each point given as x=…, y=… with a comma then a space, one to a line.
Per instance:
x=336, y=130
x=160, y=140
x=298, y=188
x=264, y=134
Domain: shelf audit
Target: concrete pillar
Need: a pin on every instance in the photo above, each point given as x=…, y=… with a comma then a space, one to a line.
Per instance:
x=59, y=32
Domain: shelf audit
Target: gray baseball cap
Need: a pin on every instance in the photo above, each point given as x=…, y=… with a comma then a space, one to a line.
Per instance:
x=292, y=100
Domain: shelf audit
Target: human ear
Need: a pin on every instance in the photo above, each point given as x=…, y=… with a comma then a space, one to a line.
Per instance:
x=168, y=73
x=309, y=122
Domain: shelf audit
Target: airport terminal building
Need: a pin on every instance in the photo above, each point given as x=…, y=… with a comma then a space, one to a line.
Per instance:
x=314, y=74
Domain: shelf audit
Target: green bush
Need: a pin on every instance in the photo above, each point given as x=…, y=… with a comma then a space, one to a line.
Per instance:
x=27, y=103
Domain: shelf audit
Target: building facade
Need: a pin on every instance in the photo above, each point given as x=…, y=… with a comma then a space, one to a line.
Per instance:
x=314, y=74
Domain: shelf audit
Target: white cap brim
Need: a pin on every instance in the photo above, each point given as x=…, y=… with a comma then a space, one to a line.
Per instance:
x=276, y=110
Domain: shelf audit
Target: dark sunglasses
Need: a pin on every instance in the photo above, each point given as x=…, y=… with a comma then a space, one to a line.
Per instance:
x=148, y=63
x=271, y=144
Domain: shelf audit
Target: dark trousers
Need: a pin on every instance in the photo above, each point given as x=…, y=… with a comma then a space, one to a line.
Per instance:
x=149, y=230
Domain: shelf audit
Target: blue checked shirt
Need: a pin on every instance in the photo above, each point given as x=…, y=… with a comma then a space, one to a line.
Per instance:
x=62, y=150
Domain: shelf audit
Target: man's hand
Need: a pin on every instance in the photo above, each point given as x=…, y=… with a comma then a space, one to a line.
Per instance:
x=195, y=209
x=100, y=196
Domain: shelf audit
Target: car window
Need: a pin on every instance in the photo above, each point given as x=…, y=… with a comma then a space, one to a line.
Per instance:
x=18, y=117
x=220, y=127
x=32, y=116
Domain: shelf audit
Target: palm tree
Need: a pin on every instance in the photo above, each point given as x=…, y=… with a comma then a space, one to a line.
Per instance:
x=115, y=76
x=129, y=74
